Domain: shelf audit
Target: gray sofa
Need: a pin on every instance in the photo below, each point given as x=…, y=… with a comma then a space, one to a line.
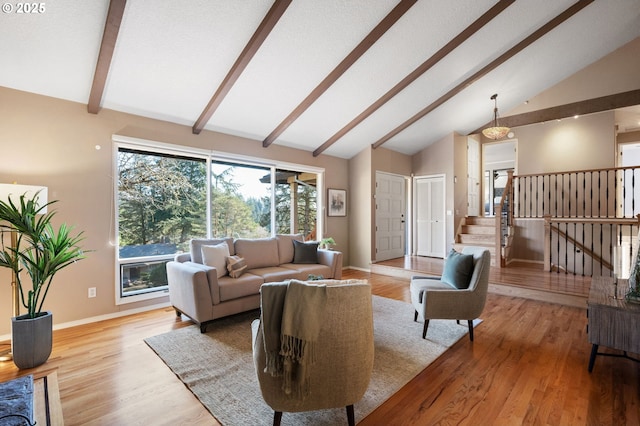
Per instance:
x=205, y=293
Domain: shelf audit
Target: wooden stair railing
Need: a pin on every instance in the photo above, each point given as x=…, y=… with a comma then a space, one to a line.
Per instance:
x=504, y=222
x=552, y=225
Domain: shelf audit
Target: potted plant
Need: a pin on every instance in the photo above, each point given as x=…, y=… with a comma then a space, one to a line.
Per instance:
x=327, y=243
x=41, y=252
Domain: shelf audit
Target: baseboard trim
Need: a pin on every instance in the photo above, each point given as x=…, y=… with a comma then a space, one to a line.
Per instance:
x=97, y=318
x=358, y=268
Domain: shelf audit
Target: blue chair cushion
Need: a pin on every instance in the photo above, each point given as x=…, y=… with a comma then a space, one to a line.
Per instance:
x=458, y=269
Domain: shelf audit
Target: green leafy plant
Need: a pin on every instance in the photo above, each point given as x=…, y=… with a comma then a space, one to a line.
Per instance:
x=327, y=242
x=40, y=250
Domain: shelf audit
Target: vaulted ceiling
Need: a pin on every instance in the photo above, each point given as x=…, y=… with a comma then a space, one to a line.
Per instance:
x=324, y=76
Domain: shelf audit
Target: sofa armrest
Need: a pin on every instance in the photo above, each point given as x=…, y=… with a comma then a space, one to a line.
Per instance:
x=333, y=259
x=190, y=289
x=182, y=257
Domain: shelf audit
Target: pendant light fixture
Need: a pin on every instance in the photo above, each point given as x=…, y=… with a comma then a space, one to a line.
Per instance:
x=495, y=131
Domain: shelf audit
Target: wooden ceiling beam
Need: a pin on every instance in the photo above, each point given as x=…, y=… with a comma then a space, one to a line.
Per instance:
x=262, y=32
x=410, y=78
x=389, y=20
x=546, y=28
x=109, y=37
x=589, y=106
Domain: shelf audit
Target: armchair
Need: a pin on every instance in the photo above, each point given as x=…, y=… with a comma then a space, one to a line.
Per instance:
x=344, y=350
x=439, y=298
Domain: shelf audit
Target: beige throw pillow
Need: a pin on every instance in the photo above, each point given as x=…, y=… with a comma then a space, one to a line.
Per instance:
x=236, y=266
x=216, y=256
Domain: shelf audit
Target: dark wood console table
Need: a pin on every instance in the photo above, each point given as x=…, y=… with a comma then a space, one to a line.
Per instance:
x=612, y=322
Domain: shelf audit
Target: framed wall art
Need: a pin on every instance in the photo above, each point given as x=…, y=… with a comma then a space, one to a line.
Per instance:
x=337, y=202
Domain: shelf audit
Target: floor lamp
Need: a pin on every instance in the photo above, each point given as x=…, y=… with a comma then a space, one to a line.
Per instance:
x=13, y=192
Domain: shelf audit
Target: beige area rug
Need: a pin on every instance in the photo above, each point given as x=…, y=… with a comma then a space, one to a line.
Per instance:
x=218, y=366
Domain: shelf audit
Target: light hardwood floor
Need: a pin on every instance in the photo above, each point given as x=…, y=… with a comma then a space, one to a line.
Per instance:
x=527, y=365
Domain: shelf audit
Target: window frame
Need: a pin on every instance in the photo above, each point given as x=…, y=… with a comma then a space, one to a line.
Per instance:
x=209, y=156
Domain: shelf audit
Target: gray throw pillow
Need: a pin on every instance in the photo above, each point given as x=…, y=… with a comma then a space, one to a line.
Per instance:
x=305, y=252
x=458, y=269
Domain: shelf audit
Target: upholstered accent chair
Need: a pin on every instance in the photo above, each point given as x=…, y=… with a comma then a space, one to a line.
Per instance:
x=344, y=353
x=459, y=294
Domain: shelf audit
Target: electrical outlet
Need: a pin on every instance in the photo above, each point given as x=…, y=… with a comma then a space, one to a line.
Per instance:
x=92, y=292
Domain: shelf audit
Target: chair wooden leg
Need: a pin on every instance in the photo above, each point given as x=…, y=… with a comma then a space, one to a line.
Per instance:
x=424, y=330
x=471, y=330
x=351, y=418
x=277, y=418
x=415, y=316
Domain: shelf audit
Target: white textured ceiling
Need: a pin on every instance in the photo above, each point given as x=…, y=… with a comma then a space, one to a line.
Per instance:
x=171, y=56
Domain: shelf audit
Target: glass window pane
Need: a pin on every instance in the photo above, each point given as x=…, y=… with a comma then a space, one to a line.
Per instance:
x=240, y=200
x=161, y=203
x=142, y=277
x=296, y=203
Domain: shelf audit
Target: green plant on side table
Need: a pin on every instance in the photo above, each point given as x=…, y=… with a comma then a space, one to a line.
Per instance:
x=41, y=252
x=327, y=243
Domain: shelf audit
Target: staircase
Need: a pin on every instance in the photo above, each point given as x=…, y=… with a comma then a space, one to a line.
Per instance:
x=478, y=232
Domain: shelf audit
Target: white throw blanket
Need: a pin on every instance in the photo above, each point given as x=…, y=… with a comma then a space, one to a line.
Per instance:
x=292, y=316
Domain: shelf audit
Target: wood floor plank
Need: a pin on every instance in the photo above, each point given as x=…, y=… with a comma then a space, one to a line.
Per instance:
x=527, y=365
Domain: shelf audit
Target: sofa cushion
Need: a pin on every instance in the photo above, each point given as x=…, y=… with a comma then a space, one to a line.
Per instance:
x=458, y=269
x=275, y=273
x=285, y=246
x=195, y=246
x=236, y=266
x=303, y=270
x=216, y=256
x=259, y=252
x=419, y=285
x=234, y=288
x=305, y=252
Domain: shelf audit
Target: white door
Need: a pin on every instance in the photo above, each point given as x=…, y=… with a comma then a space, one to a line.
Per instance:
x=430, y=216
x=473, y=177
x=390, y=216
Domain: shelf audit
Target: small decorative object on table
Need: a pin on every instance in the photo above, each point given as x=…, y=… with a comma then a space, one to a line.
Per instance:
x=327, y=243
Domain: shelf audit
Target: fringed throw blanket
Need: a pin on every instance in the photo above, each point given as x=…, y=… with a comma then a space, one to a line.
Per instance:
x=291, y=319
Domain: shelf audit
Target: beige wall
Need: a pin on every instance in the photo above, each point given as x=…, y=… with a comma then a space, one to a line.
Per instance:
x=587, y=142
x=628, y=137
x=615, y=73
x=51, y=142
x=359, y=212
x=362, y=181
x=385, y=160
x=459, y=180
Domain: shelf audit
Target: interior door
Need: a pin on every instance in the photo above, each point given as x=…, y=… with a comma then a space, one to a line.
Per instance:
x=390, y=216
x=430, y=238
x=473, y=177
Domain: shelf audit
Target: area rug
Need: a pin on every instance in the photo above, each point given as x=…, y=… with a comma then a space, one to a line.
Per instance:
x=218, y=366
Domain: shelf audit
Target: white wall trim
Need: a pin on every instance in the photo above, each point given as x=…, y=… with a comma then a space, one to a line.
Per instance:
x=358, y=268
x=84, y=321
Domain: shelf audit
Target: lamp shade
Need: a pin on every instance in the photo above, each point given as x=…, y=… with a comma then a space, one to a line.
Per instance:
x=12, y=191
x=496, y=131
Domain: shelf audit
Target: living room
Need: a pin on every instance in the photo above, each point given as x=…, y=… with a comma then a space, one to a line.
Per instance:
x=53, y=141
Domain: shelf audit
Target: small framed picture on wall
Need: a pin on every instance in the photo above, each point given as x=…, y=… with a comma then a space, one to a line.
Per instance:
x=337, y=202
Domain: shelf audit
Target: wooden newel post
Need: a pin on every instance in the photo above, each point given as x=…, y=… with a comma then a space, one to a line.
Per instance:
x=547, y=243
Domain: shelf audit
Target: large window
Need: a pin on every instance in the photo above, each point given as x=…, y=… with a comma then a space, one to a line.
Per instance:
x=161, y=205
x=165, y=197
